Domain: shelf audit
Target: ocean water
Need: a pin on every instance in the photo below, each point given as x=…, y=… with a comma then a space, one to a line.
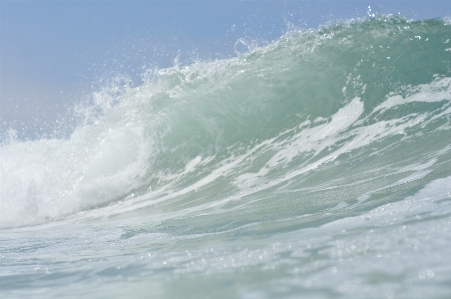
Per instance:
x=317, y=166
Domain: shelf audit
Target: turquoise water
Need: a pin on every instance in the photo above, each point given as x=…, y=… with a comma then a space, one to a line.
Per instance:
x=318, y=166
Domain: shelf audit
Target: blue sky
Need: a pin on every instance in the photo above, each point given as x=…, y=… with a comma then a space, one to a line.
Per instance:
x=52, y=51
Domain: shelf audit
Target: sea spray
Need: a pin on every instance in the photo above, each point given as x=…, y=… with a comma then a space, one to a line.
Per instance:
x=318, y=164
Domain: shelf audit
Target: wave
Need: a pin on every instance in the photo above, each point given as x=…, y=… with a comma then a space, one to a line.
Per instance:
x=350, y=115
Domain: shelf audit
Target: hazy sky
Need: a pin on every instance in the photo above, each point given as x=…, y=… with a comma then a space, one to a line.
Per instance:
x=51, y=51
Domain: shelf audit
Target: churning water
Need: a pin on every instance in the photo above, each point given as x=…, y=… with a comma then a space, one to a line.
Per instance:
x=318, y=166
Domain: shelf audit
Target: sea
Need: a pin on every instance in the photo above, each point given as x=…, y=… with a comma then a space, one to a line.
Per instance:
x=315, y=166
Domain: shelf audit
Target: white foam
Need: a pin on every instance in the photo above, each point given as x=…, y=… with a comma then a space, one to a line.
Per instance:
x=436, y=91
x=51, y=178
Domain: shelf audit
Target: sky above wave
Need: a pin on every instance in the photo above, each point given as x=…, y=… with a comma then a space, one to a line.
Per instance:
x=53, y=52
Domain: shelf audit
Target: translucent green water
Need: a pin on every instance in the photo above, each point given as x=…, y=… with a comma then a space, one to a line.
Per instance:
x=318, y=166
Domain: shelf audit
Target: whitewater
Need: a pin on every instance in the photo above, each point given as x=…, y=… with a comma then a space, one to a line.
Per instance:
x=316, y=166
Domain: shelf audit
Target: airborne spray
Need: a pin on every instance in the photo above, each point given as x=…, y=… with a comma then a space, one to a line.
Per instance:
x=318, y=164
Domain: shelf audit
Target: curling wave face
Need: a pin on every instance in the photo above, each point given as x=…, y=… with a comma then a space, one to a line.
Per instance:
x=350, y=108
x=317, y=166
